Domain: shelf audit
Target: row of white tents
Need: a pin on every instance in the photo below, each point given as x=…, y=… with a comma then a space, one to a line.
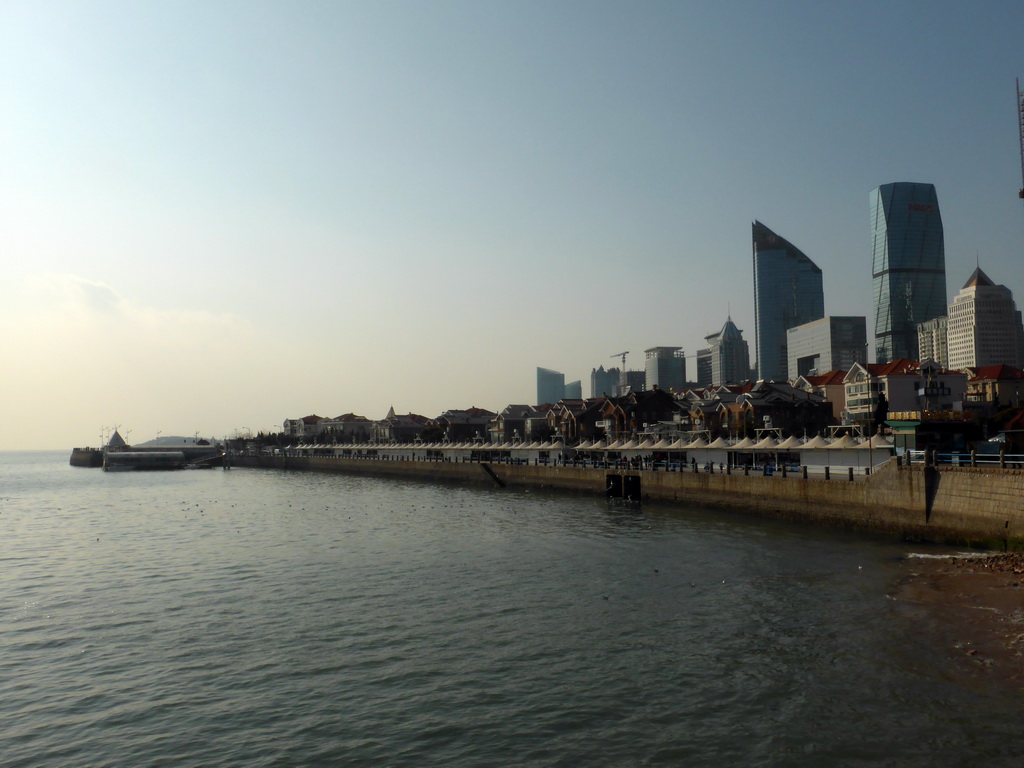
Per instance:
x=815, y=451
x=768, y=443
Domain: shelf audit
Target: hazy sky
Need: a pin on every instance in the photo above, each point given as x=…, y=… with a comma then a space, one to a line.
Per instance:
x=217, y=215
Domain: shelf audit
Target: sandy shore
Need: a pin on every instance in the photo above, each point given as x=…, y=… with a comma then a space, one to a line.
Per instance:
x=976, y=604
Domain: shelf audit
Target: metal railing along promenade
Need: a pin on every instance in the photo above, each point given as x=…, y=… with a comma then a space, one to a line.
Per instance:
x=638, y=463
x=966, y=459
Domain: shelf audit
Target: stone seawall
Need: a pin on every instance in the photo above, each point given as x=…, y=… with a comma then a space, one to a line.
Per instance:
x=983, y=507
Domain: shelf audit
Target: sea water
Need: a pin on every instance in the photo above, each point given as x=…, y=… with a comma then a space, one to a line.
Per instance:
x=267, y=618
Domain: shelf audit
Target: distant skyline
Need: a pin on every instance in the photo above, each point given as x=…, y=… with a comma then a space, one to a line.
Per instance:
x=217, y=215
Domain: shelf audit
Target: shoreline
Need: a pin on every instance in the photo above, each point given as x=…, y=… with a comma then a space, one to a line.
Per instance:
x=975, y=606
x=961, y=506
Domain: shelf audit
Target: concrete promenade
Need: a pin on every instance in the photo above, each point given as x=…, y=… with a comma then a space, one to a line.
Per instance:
x=960, y=505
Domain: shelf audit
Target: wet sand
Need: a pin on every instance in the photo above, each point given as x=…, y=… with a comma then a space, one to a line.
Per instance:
x=976, y=606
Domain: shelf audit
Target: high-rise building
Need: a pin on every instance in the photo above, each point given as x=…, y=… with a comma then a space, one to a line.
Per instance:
x=729, y=355
x=573, y=390
x=984, y=326
x=829, y=344
x=604, y=382
x=787, y=292
x=908, y=266
x=632, y=381
x=932, y=340
x=665, y=368
x=550, y=386
x=705, y=367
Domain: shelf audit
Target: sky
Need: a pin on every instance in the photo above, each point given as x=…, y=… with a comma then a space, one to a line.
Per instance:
x=217, y=215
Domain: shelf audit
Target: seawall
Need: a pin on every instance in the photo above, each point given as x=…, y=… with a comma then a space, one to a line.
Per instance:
x=963, y=505
x=87, y=457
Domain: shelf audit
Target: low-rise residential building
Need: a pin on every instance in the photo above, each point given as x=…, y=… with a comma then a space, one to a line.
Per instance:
x=536, y=423
x=906, y=385
x=399, y=428
x=709, y=408
x=461, y=425
x=561, y=416
x=781, y=406
x=630, y=414
x=510, y=424
x=650, y=407
x=996, y=386
x=306, y=427
x=830, y=385
x=348, y=428
x=576, y=420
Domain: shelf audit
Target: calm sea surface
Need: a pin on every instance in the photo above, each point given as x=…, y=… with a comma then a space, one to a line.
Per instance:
x=261, y=618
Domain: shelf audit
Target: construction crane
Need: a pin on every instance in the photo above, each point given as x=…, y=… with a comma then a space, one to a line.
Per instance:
x=623, y=356
x=1020, y=123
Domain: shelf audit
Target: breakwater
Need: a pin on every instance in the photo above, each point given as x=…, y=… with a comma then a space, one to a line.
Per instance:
x=962, y=505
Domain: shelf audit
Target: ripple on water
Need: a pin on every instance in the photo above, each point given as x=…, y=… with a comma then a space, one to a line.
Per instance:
x=267, y=618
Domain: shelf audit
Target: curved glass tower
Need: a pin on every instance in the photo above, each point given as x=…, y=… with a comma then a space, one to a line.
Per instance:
x=908, y=266
x=787, y=293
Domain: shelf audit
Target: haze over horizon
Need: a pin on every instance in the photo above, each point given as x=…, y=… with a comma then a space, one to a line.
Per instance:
x=215, y=216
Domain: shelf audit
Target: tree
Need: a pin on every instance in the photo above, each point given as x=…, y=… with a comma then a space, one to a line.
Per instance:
x=881, y=411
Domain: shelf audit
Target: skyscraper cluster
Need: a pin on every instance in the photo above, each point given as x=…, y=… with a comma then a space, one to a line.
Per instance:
x=793, y=337
x=912, y=320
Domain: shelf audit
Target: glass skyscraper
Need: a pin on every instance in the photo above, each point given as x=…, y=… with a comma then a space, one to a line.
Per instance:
x=908, y=266
x=787, y=293
x=550, y=386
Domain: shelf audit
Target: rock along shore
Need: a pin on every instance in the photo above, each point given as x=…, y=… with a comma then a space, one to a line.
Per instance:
x=975, y=605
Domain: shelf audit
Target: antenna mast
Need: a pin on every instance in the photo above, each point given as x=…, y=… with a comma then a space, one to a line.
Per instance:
x=1020, y=123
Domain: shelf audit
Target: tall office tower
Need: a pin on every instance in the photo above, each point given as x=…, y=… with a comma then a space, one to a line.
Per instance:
x=829, y=344
x=573, y=390
x=705, y=367
x=984, y=326
x=632, y=381
x=932, y=341
x=604, y=382
x=787, y=293
x=550, y=386
x=730, y=357
x=665, y=368
x=908, y=266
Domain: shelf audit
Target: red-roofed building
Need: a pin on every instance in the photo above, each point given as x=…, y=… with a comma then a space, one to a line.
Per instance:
x=831, y=385
x=307, y=426
x=907, y=386
x=399, y=428
x=510, y=424
x=347, y=428
x=996, y=385
x=462, y=425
